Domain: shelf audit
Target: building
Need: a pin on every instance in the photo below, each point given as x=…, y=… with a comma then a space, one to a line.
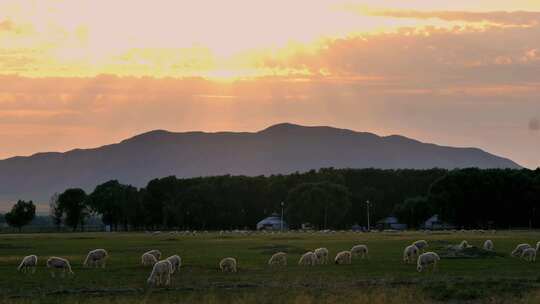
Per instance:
x=273, y=222
x=434, y=223
x=391, y=222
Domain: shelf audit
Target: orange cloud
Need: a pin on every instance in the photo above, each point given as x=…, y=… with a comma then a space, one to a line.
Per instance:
x=503, y=18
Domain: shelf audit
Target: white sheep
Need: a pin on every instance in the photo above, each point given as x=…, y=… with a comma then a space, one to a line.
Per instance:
x=426, y=259
x=538, y=246
x=308, y=258
x=59, y=263
x=410, y=253
x=421, y=244
x=161, y=273
x=228, y=265
x=488, y=245
x=464, y=244
x=95, y=258
x=148, y=259
x=279, y=258
x=322, y=255
x=343, y=257
x=529, y=254
x=360, y=250
x=28, y=263
x=156, y=253
x=519, y=249
x=176, y=262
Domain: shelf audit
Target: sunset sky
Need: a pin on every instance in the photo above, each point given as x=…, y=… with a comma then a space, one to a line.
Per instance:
x=78, y=74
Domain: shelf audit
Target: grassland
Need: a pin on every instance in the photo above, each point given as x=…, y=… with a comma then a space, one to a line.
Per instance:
x=383, y=278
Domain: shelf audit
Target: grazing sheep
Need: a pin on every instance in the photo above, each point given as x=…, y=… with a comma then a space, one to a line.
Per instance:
x=161, y=273
x=519, y=249
x=464, y=244
x=343, y=257
x=308, y=258
x=410, y=253
x=148, y=259
x=421, y=244
x=176, y=262
x=156, y=253
x=28, y=263
x=488, y=245
x=279, y=258
x=529, y=254
x=538, y=246
x=59, y=263
x=228, y=265
x=97, y=257
x=360, y=250
x=322, y=255
x=426, y=259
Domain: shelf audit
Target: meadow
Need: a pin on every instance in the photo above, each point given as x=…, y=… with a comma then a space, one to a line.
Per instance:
x=383, y=278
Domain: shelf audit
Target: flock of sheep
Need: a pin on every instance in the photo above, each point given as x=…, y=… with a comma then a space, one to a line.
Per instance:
x=163, y=269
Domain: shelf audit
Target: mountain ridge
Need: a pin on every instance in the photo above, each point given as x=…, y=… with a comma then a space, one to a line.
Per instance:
x=279, y=149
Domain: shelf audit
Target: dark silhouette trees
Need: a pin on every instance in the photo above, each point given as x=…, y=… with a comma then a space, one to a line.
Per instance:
x=323, y=204
x=73, y=205
x=21, y=214
x=327, y=198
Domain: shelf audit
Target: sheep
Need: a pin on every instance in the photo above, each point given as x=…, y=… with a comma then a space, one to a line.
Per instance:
x=28, y=263
x=519, y=249
x=421, y=244
x=279, y=258
x=308, y=258
x=59, y=263
x=161, y=272
x=228, y=265
x=97, y=257
x=343, y=257
x=488, y=245
x=410, y=253
x=148, y=259
x=176, y=262
x=360, y=250
x=426, y=259
x=538, y=246
x=464, y=244
x=529, y=254
x=156, y=253
x=322, y=255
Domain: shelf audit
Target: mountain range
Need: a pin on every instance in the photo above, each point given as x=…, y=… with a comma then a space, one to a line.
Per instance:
x=282, y=148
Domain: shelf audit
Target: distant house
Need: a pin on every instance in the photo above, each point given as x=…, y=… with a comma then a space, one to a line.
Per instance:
x=434, y=223
x=357, y=227
x=273, y=222
x=390, y=222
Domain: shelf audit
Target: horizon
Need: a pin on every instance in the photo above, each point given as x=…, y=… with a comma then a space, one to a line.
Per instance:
x=461, y=74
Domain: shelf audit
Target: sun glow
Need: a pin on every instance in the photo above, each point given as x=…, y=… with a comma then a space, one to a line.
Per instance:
x=224, y=40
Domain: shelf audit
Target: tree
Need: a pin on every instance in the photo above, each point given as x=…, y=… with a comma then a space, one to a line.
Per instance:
x=322, y=204
x=414, y=211
x=117, y=203
x=21, y=214
x=73, y=204
x=55, y=212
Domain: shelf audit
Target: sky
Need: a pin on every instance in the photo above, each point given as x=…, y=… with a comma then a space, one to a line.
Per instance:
x=79, y=74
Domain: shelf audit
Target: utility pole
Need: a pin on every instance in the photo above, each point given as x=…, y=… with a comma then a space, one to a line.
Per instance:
x=367, y=209
x=282, y=204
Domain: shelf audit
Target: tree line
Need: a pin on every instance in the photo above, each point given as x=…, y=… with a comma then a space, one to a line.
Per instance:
x=326, y=198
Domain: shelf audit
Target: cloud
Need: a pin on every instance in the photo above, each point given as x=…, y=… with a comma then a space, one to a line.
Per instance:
x=534, y=124
x=502, y=18
x=7, y=25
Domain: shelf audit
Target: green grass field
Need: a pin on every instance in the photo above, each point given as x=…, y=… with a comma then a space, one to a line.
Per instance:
x=384, y=278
